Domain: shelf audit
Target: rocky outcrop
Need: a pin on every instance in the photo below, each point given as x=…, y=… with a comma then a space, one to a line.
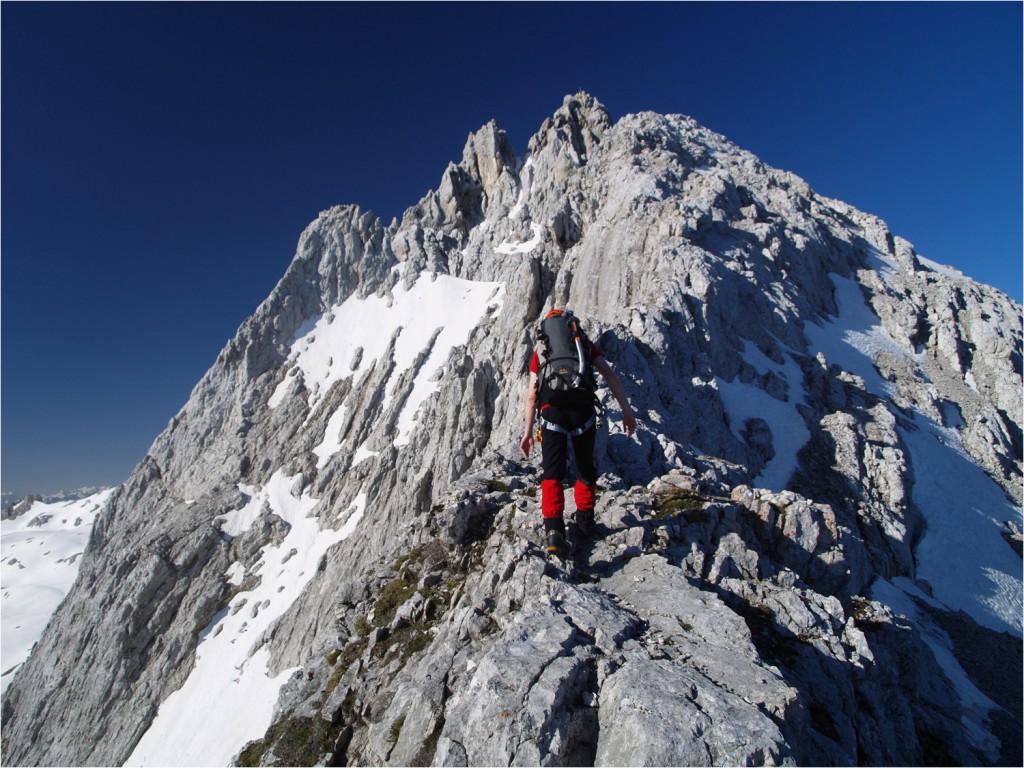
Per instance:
x=784, y=353
x=674, y=638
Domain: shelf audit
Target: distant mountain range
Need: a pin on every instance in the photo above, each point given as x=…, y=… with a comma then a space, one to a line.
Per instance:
x=10, y=500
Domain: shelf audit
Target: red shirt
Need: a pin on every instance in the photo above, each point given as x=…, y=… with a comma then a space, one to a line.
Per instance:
x=595, y=352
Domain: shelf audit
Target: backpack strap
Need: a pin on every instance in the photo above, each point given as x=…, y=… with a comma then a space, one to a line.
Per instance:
x=541, y=357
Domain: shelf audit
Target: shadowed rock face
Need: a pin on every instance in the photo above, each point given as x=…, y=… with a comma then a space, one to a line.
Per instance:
x=723, y=615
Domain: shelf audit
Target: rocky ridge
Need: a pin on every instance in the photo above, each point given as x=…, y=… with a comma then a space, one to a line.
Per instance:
x=433, y=631
x=686, y=633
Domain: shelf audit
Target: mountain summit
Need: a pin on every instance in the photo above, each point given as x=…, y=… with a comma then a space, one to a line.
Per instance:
x=334, y=553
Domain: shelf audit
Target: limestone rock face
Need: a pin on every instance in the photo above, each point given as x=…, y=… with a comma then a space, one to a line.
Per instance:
x=341, y=512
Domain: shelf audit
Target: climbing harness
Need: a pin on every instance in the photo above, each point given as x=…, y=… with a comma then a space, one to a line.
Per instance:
x=545, y=424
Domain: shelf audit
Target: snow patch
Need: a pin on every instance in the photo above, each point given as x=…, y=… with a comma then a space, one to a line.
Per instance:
x=856, y=338
x=508, y=248
x=897, y=595
x=963, y=555
x=526, y=182
x=362, y=454
x=942, y=269
x=747, y=401
x=209, y=730
x=449, y=305
x=352, y=515
x=236, y=574
x=331, y=443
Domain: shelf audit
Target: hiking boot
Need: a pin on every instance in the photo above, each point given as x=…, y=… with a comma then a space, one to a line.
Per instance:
x=584, y=524
x=557, y=545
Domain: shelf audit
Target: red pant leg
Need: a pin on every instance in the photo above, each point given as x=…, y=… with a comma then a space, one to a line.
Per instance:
x=552, y=498
x=584, y=495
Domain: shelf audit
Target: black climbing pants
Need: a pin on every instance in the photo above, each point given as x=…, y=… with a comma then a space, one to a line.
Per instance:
x=557, y=428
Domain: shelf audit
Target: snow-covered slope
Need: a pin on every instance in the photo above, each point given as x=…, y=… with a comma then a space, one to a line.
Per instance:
x=40, y=552
x=962, y=554
x=199, y=723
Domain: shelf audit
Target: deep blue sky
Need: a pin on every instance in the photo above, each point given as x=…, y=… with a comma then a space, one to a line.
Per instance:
x=159, y=161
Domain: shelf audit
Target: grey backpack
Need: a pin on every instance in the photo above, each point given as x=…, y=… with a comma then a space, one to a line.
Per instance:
x=565, y=375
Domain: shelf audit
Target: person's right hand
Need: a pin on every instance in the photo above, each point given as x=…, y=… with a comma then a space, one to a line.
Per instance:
x=526, y=444
x=629, y=423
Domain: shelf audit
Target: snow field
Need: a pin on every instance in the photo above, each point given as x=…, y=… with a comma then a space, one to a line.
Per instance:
x=40, y=553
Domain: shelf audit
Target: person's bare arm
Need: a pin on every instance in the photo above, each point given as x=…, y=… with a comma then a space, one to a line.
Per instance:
x=615, y=385
x=526, y=444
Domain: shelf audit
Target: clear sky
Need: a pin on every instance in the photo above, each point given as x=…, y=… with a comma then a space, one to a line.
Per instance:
x=160, y=160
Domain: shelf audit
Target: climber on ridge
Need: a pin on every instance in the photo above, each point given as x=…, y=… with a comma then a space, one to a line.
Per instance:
x=562, y=402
